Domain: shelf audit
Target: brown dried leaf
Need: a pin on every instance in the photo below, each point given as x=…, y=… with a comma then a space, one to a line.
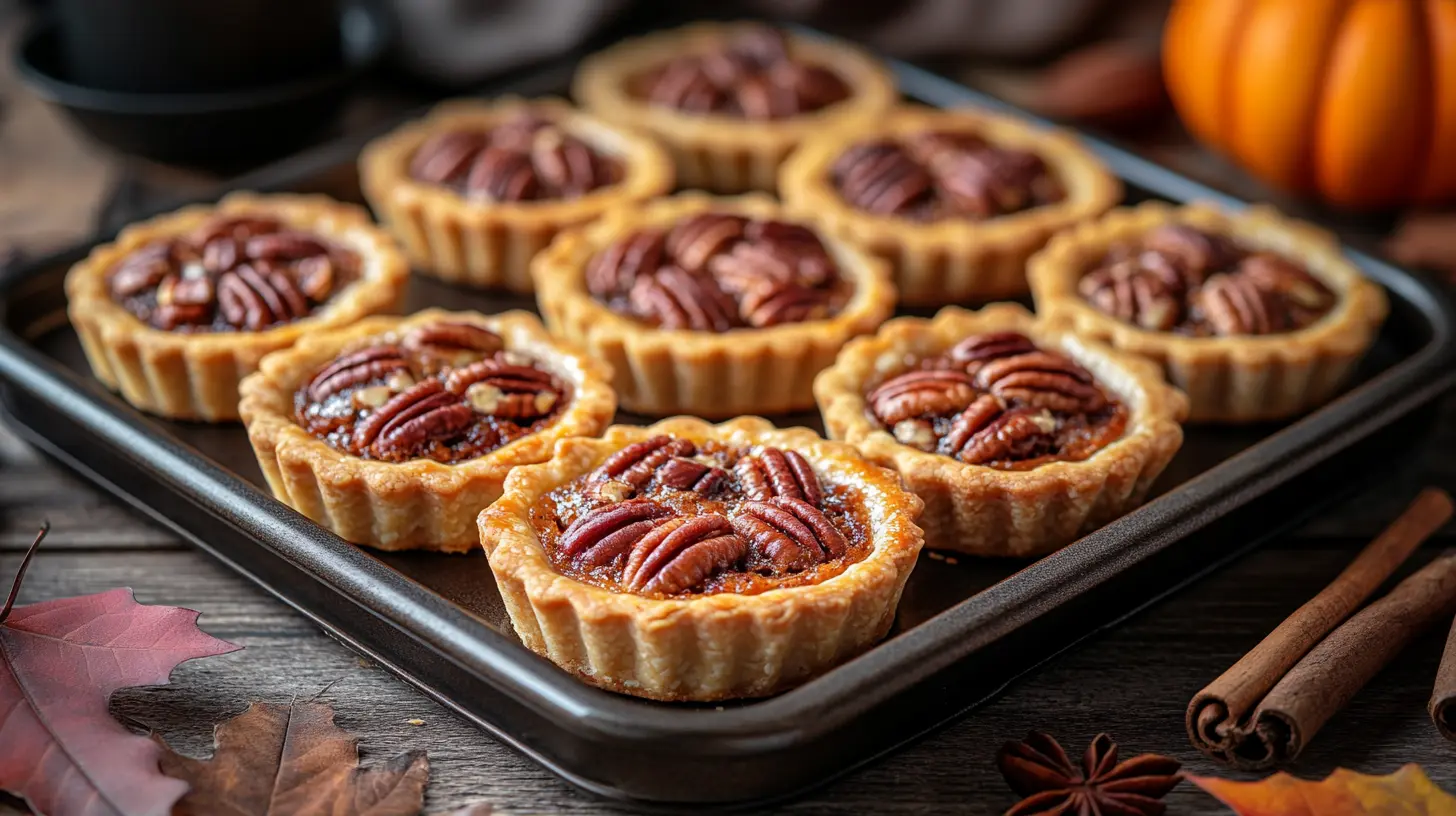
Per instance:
x=293, y=759
x=1407, y=792
x=1427, y=240
x=1112, y=83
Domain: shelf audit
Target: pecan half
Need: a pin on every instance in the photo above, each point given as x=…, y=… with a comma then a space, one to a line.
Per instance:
x=987, y=183
x=681, y=553
x=496, y=388
x=879, y=177
x=780, y=303
x=614, y=270
x=684, y=83
x=1044, y=380
x=1131, y=292
x=422, y=413
x=774, y=472
x=977, y=350
x=445, y=157
x=692, y=243
x=600, y=536
x=797, y=247
x=254, y=299
x=634, y=466
x=364, y=365
x=1193, y=251
x=502, y=174
x=238, y=228
x=567, y=165
x=677, y=299
x=1278, y=276
x=974, y=419
x=283, y=246
x=681, y=473
x=787, y=534
x=143, y=269
x=936, y=148
x=1234, y=304
x=1019, y=433
x=922, y=394
x=449, y=335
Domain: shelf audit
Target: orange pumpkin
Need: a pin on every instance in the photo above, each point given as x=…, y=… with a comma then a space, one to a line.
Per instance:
x=1353, y=100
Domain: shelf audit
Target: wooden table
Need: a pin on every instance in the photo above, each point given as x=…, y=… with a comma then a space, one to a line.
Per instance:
x=1133, y=682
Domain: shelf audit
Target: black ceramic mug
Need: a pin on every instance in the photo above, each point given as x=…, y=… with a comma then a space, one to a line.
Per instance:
x=170, y=46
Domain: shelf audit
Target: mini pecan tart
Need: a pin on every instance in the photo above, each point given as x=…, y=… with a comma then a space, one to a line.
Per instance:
x=955, y=200
x=688, y=561
x=396, y=432
x=177, y=309
x=710, y=306
x=732, y=100
x=475, y=189
x=1254, y=315
x=1018, y=436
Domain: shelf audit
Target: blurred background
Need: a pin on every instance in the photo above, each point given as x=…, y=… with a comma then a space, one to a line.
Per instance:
x=1341, y=112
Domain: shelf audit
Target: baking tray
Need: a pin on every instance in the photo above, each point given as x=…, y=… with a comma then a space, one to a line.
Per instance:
x=965, y=627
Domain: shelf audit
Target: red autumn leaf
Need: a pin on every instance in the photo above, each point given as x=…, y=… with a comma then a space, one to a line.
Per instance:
x=1407, y=792
x=293, y=759
x=60, y=662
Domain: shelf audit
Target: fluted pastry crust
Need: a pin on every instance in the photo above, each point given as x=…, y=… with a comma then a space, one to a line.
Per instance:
x=951, y=259
x=419, y=504
x=726, y=154
x=716, y=375
x=195, y=375
x=1239, y=378
x=490, y=244
x=705, y=647
x=988, y=511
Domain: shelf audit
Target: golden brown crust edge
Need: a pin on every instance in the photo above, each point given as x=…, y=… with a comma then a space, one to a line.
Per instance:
x=1227, y=379
x=989, y=512
x=420, y=504
x=491, y=245
x=725, y=154
x=952, y=259
x=712, y=647
x=744, y=371
x=195, y=376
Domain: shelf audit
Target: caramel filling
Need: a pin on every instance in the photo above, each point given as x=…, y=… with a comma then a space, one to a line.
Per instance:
x=444, y=391
x=666, y=517
x=999, y=401
x=233, y=274
x=1183, y=280
x=714, y=272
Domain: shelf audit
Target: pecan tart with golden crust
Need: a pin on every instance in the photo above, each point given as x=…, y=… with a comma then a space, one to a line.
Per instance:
x=396, y=432
x=1019, y=436
x=475, y=189
x=955, y=200
x=688, y=561
x=710, y=306
x=731, y=100
x=1254, y=315
x=177, y=309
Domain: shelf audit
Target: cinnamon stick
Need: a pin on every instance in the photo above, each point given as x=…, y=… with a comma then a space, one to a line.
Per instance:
x=1443, y=699
x=1216, y=714
x=1326, y=679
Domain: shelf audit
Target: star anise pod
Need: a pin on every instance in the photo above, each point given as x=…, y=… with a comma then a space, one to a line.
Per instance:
x=1038, y=769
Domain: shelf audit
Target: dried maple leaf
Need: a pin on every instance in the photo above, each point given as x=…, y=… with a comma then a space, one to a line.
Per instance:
x=60, y=662
x=1407, y=792
x=293, y=759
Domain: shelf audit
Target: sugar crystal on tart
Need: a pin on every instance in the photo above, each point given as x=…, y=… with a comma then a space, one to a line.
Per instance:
x=475, y=189
x=396, y=432
x=1254, y=315
x=1018, y=435
x=732, y=100
x=711, y=306
x=179, y=308
x=955, y=200
x=740, y=559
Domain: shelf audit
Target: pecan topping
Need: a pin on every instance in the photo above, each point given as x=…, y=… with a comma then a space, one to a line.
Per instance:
x=687, y=474
x=522, y=159
x=922, y=393
x=931, y=175
x=715, y=272
x=1177, y=278
x=777, y=472
x=599, y=537
x=402, y=400
x=663, y=458
x=230, y=274
x=752, y=76
x=681, y=553
x=996, y=399
x=788, y=534
x=1041, y=771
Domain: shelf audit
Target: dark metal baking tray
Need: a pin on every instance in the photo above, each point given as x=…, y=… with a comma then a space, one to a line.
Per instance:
x=965, y=628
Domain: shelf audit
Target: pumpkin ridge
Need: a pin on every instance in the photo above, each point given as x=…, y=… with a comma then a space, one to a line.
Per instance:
x=1438, y=170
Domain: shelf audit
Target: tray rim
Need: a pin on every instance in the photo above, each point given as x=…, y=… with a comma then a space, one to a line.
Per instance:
x=825, y=702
